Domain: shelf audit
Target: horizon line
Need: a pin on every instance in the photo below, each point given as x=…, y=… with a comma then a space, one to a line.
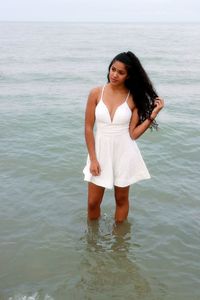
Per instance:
x=109, y=22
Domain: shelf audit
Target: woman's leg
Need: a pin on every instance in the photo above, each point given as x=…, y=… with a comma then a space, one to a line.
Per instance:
x=122, y=203
x=95, y=196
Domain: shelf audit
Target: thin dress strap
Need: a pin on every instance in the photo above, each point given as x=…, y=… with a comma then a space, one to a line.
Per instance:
x=127, y=96
x=102, y=91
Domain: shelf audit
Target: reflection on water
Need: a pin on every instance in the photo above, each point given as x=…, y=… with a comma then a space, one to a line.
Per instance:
x=107, y=268
x=102, y=236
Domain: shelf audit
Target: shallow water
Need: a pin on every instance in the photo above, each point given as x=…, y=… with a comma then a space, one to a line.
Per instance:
x=47, y=248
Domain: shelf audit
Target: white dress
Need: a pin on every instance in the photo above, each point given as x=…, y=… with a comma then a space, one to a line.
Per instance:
x=118, y=155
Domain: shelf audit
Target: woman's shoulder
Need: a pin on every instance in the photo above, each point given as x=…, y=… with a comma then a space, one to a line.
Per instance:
x=96, y=91
x=95, y=94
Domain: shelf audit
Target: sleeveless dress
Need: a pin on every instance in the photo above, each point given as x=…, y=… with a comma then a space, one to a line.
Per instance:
x=119, y=157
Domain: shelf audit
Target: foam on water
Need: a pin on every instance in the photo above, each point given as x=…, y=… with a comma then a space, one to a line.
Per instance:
x=34, y=296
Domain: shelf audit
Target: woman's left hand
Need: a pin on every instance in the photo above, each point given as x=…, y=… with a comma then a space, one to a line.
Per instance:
x=159, y=104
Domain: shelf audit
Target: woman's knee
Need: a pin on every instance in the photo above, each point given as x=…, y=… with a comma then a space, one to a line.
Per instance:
x=95, y=196
x=121, y=201
x=94, y=203
x=121, y=196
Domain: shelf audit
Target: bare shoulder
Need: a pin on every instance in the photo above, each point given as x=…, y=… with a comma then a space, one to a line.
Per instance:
x=94, y=94
x=91, y=104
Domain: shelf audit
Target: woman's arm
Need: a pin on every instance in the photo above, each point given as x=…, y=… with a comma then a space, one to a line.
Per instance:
x=136, y=130
x=89, y=134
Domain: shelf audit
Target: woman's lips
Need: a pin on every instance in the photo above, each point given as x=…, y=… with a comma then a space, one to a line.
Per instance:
x=113, y=79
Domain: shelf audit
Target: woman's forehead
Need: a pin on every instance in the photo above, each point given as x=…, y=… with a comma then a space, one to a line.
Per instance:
x=119, y=65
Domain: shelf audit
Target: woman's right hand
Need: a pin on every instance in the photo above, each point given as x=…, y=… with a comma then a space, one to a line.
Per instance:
x=95, y=168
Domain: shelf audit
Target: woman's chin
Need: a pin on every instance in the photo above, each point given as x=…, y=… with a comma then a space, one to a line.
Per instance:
x=114, y=82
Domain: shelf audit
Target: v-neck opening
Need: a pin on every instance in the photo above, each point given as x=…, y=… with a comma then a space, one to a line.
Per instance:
x=125, y=101
x=112, y=119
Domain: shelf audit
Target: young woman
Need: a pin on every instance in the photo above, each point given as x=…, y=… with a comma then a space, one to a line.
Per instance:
x=123, y=110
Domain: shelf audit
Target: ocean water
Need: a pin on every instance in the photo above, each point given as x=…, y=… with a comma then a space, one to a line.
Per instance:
x=48, y=250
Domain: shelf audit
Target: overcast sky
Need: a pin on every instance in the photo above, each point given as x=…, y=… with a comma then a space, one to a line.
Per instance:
x=101, y=10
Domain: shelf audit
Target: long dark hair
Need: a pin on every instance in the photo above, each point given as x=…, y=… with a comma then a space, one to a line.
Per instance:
x=139, y=84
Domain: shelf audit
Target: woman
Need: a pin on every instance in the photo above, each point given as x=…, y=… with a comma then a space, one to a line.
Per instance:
x=123, y=110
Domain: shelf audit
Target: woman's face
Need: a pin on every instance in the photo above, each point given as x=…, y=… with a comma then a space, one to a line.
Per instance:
x=118, y=73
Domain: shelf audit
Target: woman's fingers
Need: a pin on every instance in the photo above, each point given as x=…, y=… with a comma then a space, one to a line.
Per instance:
x=95, y=169
x=159, y=101
x=99, y=169
x=159, y=104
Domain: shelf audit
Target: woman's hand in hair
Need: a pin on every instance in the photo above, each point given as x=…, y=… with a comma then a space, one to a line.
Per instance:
x=158, y=105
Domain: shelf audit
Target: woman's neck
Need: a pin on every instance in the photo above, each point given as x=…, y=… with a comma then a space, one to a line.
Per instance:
x=117, y=88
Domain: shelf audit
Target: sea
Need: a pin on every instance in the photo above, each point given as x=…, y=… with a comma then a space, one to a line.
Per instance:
x=48, y=248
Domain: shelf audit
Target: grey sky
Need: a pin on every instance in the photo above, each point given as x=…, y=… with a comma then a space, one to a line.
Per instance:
x=101, y=10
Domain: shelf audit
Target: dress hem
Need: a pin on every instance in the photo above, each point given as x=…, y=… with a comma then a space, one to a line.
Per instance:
x=130, y=182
